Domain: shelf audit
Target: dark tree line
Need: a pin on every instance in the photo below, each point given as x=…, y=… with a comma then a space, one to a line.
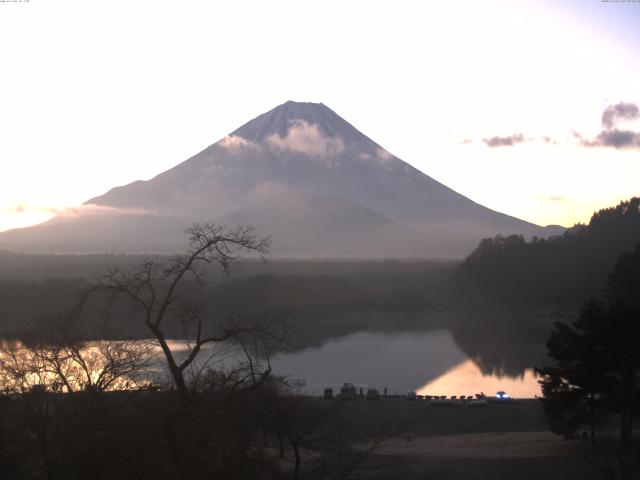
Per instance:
x=311, y=294
x=594, y=384
x=560, y=271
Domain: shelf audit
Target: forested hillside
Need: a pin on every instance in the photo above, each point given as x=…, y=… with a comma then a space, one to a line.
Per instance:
x=561, y=271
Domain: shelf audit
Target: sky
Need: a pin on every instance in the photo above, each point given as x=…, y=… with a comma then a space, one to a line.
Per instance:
x=528, y=107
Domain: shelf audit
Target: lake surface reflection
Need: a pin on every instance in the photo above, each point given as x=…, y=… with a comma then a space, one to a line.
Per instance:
x=467, y=379
x=397, y=353
x=429, y=362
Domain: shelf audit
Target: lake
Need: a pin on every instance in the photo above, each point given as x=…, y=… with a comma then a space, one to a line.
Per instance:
x=400, y=353
x=429, y=362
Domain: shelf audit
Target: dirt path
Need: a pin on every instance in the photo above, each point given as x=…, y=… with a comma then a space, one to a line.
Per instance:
x=482, y=445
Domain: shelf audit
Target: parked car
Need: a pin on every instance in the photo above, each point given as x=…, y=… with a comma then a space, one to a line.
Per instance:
x=373, y=394
x=411, y=396
x=441, y=401
x=501, y=397
x=348, y=391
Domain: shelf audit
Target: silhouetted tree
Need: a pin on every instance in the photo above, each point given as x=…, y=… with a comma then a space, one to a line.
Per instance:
x=573, y=387
x=314, y=434
x=58, y=382
x=597, y=362
x=623, y=285
x=597, y=369
x=167, y=304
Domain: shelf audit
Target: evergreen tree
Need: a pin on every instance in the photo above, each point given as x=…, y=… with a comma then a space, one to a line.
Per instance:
x=597, y=360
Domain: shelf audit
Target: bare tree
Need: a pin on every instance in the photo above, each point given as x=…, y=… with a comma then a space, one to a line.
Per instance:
x=100, y=366
x=316, y=433
x=40, y=371
x=156, y=288
x=62, y=363
x=22, y=370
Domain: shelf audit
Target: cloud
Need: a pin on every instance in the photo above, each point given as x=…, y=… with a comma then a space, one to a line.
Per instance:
x=380, y=155
x=93, y=209
x=72, y=212
x=236, y=143
x=21, y=208
x=621, y=111
x=552, y=198
x=383, y=155
x=508, y=141
x=306, y=138
x=610, y=136
x=619, y=139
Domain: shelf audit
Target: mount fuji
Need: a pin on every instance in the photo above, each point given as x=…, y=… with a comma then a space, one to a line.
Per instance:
x=299, y=173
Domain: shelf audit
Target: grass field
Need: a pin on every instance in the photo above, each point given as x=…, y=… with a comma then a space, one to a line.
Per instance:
x=509, y=441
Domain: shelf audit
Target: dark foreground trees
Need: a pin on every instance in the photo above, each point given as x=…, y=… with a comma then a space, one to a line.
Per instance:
x=59, y=394
x=597, y=371
x=78, y=409
x=594, y=385
x=250, y=431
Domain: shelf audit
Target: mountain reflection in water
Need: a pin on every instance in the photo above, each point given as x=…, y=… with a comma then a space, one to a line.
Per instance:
x=466, y=378
x=400, y=361
x=400, y=353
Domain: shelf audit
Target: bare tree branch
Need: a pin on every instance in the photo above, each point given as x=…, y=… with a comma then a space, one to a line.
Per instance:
x=156, y=289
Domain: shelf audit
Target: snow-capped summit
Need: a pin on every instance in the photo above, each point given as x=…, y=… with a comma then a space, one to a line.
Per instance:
x=297, y=150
